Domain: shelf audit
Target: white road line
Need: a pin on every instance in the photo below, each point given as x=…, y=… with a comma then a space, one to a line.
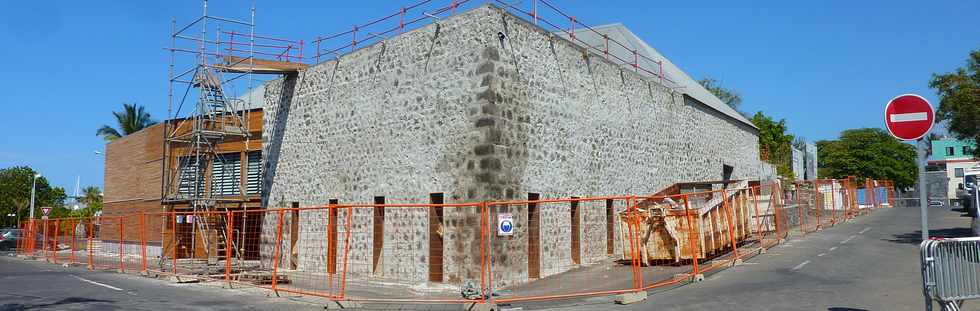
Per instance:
x=833, y=248
x=909, y=117
x=865, y=230
x=821, y=254
x=799, y=266
x=847, y=240
x=96, y=283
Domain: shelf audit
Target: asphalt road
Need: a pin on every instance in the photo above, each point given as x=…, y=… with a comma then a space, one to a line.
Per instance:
x=870, y=263
x=31, y=285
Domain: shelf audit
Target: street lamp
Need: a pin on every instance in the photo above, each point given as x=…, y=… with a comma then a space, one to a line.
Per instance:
x=33, y=184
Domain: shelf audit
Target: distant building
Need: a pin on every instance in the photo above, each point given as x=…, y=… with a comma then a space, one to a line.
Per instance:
x=952, y=157
x=500, y=109
x=799, y=163
x=133, y=184
x=805, y=162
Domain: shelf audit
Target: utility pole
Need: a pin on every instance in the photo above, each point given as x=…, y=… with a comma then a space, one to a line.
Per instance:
x=33, y=184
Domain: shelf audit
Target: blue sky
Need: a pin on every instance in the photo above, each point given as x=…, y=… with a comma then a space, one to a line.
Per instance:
x=824, y=66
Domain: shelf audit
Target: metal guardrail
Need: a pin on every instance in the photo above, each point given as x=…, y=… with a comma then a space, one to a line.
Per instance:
x=950, y=271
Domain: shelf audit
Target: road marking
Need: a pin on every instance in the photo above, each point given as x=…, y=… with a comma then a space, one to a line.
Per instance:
x=847, y=240
x=821, y=254
x=865, y=230
x=799, y=266
x=909, y=117
x=833, y=248
x=96, y=283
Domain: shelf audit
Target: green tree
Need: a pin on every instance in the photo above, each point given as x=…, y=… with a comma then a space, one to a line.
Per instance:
x=92, y=198
x=15, y=192
x=867, y=153
x=727, y=96
x=959, y=100
x=775, y=143
x=131, y=119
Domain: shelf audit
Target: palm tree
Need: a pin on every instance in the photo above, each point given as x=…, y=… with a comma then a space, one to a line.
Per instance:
x=91, y=196
x=131, y=119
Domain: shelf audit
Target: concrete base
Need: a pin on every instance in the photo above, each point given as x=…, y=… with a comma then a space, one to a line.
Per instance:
x=694, y=278
x=343, y=305
x=763, y=250
x=697, y=278
x=182, y=280
x=630, y=298
x=480, y=307
x=738, y=262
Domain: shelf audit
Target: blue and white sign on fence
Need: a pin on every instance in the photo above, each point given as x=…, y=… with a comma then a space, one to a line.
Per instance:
x=505, y=224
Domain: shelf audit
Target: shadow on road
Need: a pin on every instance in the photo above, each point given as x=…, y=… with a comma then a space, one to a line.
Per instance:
x=915, y=237
x=66, y=301
x=845, y=309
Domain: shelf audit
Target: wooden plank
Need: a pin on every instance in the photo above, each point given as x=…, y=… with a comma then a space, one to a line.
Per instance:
x=576, y=221
x=435, y=238
x=533, y=237
x=241, y=65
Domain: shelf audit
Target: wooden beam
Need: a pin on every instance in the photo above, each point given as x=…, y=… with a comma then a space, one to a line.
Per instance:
x=260, y=66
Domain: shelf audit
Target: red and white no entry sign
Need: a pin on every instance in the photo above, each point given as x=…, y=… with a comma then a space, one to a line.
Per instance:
x=909, y=117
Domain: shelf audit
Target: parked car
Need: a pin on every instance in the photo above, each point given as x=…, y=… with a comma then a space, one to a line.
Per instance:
x=9, y=238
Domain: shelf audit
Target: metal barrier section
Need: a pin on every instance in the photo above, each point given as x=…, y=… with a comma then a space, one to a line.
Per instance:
x=550, y=248
x=107, y=248
x=950, y=271
x=307, y=249
x=421, y=253
x=70, y=240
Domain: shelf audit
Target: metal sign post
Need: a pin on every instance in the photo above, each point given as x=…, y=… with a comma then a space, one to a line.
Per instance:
x=909, y=117
x=923, y=205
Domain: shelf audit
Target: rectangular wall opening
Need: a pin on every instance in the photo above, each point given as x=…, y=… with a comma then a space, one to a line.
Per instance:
x=726, y=172
x=379, y=232
x=533, y=237
x=576, y=221
x=610, y=234
x=435, y=237
x=294, y=236
x=332, y=237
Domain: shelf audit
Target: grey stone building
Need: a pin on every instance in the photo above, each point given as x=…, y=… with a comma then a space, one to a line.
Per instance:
x=483, y=106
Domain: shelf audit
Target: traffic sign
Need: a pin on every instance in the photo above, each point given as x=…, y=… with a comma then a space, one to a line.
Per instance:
x=45, y=211
x=909, y=117
x=505, y=224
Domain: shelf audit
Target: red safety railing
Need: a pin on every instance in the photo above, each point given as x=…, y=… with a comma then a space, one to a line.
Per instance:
x=539, y=12
x=408, y=17
x=265, y=47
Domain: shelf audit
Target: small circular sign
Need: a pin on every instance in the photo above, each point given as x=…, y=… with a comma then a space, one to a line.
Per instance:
x=909, y=117
x=506, y=226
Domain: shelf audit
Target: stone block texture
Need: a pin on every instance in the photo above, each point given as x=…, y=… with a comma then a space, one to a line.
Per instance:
x=481, y=106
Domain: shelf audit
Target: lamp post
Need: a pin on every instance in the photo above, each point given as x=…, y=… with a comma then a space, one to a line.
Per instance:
x=33, y=184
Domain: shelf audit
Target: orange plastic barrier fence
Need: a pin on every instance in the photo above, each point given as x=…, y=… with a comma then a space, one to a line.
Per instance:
x=503, y=251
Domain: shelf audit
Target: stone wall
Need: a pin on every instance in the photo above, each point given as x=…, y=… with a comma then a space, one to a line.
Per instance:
x=483, y=106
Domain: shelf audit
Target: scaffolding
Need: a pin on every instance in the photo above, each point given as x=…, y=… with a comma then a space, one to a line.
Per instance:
x=208, y=67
